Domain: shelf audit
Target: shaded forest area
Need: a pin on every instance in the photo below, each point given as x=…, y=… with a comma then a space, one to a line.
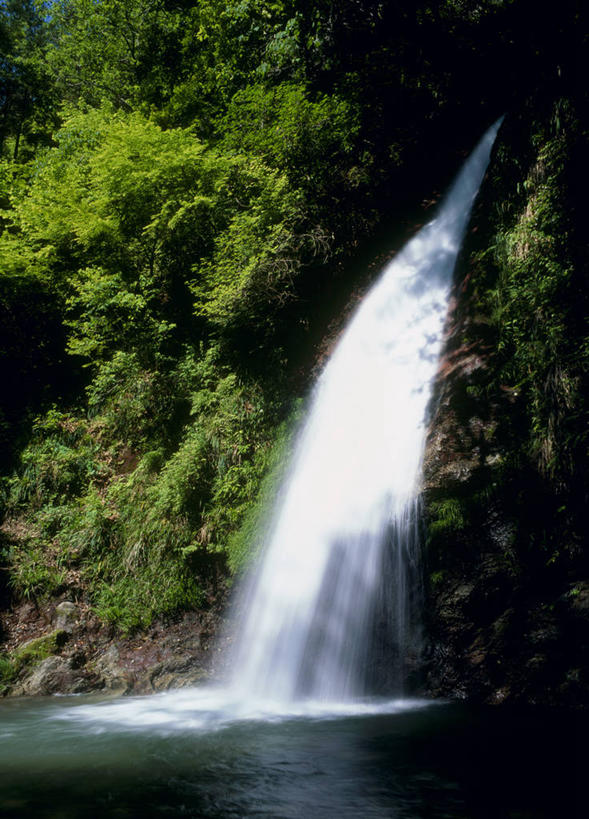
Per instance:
x=189, y=192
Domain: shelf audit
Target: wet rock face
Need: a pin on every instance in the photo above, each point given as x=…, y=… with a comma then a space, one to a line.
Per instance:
x=53, y=675
x=458, y=443
x=521, y=649
x=502, y=625
x=504, y=620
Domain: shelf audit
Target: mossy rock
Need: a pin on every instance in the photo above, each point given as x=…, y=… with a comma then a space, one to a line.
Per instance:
x=34, y=651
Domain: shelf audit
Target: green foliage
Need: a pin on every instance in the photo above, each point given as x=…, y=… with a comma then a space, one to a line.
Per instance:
x=108, y=315
x=133, y=405
x=536, y=305
x=437, y=578
x=254, y=263
x=140, y=530
x=33, y=577
x=121, y=215
x=58, y=463
x=446, y=518
x=131, y=600
x=31, y=343
x=109, y=50
x=310, y=138
x=7, y=673
x=117, y=197
x=134, y=557
x=258, y=495
x=27, y=98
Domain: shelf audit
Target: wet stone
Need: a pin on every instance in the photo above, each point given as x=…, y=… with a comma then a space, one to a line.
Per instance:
x=66, y=615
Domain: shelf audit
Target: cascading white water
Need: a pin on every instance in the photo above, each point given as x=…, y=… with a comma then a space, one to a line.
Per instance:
x=346, y=517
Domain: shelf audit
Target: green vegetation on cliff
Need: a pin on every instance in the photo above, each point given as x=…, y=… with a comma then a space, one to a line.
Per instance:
x=507, y=522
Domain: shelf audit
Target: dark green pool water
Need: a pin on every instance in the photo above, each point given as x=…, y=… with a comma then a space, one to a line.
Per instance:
x=438, y=761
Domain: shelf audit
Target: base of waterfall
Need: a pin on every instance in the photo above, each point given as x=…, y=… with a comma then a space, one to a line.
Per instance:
x=199, y=755
x=213, y=708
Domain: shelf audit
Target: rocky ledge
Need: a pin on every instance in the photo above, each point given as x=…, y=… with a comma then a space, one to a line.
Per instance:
x=62, y=648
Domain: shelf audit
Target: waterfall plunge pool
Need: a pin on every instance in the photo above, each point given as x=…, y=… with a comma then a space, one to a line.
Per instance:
x=192, y=754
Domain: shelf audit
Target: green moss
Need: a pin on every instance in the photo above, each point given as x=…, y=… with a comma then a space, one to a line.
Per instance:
x=35, y=651
x=28, y=655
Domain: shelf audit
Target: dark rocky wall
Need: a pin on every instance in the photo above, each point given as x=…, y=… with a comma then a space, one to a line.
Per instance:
x=505, y=485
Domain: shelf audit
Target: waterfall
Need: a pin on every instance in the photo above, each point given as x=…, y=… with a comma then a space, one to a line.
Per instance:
x=336, y=581
x=341, y=548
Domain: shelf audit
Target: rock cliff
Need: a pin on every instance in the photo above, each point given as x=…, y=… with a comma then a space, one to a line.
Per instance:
x=505, y=483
